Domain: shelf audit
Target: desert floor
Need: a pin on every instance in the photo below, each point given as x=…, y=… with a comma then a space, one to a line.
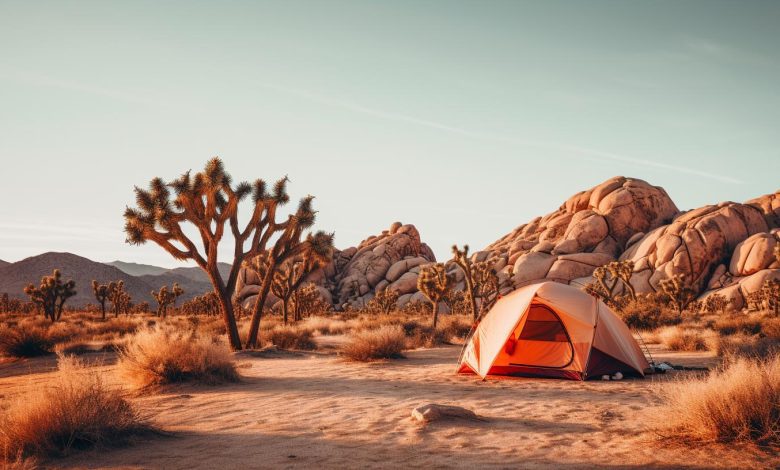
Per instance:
x=313, y=410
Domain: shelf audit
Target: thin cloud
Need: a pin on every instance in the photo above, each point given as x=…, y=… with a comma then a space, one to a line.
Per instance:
x=593, y=153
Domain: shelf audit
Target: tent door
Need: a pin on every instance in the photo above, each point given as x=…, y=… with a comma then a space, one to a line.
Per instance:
x=543, y=341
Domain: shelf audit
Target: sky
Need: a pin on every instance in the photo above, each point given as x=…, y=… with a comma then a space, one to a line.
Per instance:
x=465, y=119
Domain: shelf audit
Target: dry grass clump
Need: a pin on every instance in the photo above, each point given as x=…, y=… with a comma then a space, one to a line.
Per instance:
x=385, y=342
x=21, y=341
x=740, y=402
x=458, y=326
x=291, y=337
x=76, y=411
x=738, y=324
x=736, y=346
x=162, y=355
x=326, y=326
x=648, y=313
x=685, y=340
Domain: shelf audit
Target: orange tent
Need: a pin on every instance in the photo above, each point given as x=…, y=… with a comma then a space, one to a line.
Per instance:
x=552, y=330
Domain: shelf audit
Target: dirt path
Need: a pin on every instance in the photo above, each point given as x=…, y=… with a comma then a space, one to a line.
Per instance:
x=315, y=411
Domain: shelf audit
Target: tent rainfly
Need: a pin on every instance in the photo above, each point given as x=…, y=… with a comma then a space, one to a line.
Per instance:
x=552, y=330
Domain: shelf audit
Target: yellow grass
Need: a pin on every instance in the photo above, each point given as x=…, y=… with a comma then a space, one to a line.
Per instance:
x=740, y=402
x=681, y=338
x=77, y=410
x=162, y=355
x=31, y=341
x=291, y=337
x=385, y=342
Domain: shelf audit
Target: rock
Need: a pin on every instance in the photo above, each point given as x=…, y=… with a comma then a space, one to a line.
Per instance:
x=534, y=265
x=568, y=270
x=435, y=412
x=757, y=252
x=406, y=284
x=400, y=267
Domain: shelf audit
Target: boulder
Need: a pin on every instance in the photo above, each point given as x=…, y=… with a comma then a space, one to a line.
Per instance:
x=757, y=252
x=406, y=284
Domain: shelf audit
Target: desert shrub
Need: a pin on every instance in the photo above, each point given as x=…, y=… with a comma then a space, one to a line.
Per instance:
x=738, y=324
x=25, y=341
x=770, y=328
x=685, y=340
x=291, y=337
x=648, y=313
x=458, y=326
x=162, y=355
x=737, y=346
x=77, y=411
x=739, y=402
x=385, y=342
x=422, y=335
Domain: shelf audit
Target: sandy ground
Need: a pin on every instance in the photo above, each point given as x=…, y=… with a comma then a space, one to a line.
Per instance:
x=317, y=411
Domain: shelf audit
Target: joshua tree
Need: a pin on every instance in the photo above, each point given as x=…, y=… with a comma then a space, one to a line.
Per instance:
x=434, y=282
x=485, y=285
x=51, y=294
x=770, y=293
x=307, y=300
x=608, y=277
x=209, y=201
x=5, y=303
x=679, y=293
x=117, y=296
x=289, y=276
x=177, y=292
x=164, y=297
x=101, y=295
x=461, y=258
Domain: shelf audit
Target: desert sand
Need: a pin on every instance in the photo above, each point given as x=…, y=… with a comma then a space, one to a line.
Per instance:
x=314, y=410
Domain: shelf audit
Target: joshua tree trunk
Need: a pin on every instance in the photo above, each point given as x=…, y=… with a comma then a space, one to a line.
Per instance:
x=254, y=326
x=226, y=307
x=103, y=309
x=435, y=309
x=284, y=310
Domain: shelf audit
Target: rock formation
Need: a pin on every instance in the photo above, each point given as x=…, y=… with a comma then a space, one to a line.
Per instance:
x=390, y=260
x=589, y=230
x=727, y=248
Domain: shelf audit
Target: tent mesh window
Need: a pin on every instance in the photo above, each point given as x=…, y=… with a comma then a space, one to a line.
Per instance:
x=543, y=325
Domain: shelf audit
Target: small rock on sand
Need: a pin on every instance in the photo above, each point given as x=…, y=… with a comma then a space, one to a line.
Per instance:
x=436, y=412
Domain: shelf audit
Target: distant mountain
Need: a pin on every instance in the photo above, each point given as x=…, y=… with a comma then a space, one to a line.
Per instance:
x=15, y=276
x=4, y=263
x=192, y=273
x=136, y=269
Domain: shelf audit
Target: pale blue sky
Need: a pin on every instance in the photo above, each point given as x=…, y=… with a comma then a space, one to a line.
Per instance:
x=464, y=118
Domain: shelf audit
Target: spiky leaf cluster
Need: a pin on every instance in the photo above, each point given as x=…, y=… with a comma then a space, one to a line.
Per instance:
x=164, y=298
x=119, y=297
x=101, y=295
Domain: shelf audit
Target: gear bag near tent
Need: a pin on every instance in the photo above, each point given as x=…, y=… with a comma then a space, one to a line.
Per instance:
x=552, y=330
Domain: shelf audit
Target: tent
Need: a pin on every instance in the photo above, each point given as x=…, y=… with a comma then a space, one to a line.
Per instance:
x=552, y=330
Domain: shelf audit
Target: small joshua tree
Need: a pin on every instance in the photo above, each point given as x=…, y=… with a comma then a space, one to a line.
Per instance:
x=770, y=293
x=678, y=292
x=51, y=294
x=608, y=278
x=164, y=297
x=307, y=301
x=290, y=275
x=101, y=295
x=117, y=296
x=177, y=292
x=485, y=285
x=434, y=282
x=384, y=301
x=461, y=258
